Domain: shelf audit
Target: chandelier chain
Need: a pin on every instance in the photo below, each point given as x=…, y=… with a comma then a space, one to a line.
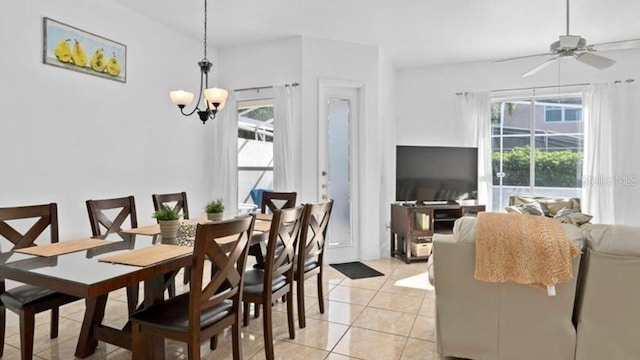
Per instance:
x=205, y=29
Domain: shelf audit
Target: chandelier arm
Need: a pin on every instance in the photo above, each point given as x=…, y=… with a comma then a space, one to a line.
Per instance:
x=197, y=107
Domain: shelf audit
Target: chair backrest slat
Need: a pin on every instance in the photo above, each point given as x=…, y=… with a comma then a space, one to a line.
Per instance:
x=180, y=200
x=99, y=219
x=272, y=201
x=312, y=241
x=47, y=217
x=283, y=236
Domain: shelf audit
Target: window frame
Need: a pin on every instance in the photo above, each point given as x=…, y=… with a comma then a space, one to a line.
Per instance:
x=563, y=113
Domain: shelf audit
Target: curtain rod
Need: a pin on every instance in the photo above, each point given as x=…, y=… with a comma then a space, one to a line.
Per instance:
x=257, y=88
x=465, y=93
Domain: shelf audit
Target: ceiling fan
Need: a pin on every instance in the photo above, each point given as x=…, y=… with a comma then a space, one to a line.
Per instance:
x=575, y=46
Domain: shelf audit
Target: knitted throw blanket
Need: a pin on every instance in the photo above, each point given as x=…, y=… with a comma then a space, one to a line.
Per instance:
x=525, y=249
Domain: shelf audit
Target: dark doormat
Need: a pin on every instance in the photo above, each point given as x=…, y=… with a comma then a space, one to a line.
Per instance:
x=356, y=270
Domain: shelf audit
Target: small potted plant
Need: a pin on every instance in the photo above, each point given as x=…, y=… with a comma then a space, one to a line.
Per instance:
x=214, y=210
x=169, y=220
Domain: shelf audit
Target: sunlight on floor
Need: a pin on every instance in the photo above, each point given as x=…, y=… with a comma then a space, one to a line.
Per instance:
x=420, y=281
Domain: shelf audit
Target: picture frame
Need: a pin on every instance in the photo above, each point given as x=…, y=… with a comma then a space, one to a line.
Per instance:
x=71, y=48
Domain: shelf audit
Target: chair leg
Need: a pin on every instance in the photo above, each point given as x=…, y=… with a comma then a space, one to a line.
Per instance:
x=27, y=320
x=187, y=275
x=292, y=328
x=236, y=340
x=170, y=282
x=55, y=316
x=320, y=293
x=137, y=342
x=267, y=329
x=302, y=321
x=245, y=313
x=256, y=311
x=193, y=350
x=132, y=298
x=213, y=342
x=3, y=323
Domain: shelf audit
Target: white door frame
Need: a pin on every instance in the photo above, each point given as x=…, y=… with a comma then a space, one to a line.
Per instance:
x=329, y=88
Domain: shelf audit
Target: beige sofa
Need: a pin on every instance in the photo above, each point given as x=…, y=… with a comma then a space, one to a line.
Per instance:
x=479, y=320
x=608, y=306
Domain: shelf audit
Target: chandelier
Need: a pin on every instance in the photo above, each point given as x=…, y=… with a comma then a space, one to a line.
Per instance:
x=214, y=98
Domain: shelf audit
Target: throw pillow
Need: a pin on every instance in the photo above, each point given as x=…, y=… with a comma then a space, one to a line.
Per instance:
x=571, y=216
x=531, y=208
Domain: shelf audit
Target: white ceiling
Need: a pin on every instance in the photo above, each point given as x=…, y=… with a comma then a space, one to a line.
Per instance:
x=413, y=32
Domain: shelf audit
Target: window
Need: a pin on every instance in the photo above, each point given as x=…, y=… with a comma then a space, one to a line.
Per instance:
x=562, y=112
x=531, y=153
x=255, y=150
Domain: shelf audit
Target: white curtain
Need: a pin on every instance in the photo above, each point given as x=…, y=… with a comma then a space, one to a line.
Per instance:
x=599, y=111
x=225, y=161
x=284, y=140
x=604, y=112
x=476, y=132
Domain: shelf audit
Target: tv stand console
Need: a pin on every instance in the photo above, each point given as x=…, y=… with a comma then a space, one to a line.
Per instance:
x=416, y=224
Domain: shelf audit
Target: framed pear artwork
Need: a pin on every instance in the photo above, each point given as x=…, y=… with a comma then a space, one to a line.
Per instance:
x=74, y=49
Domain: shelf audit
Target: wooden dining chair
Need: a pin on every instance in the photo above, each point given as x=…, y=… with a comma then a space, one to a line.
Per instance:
x=99, y=220
x=28, y=300
x=276, y=280
x=177, y=201
x=126, y=208
x=212, y=305
x=271, y=201
x=309, y=261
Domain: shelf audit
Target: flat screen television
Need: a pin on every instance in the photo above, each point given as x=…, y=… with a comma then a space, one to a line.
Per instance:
x=436, y=173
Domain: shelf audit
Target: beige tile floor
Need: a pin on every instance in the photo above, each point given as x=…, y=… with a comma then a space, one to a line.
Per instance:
x=386, y=317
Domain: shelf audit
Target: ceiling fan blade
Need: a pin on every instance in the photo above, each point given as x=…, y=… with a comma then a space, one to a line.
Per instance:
x=540, y=66
x=615, y=45
x=521, y=57
x=594, y=60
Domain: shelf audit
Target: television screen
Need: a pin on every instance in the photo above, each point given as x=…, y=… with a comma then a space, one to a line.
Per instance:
x=429, y=173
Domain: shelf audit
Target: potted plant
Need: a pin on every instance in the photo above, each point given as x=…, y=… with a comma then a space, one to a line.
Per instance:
x=169, y=220
x=214, y=210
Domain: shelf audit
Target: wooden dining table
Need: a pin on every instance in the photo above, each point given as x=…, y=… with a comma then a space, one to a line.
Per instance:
x=81, y=274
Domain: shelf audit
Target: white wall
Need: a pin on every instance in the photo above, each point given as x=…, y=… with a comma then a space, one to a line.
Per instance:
x=428, y=111
x=67, y=137
x=262, y=64
x=387, y=139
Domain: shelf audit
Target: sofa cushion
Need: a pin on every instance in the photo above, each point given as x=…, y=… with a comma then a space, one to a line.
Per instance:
x=615, y=239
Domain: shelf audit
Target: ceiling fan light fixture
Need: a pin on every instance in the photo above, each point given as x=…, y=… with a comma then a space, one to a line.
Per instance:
x=569, y=42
